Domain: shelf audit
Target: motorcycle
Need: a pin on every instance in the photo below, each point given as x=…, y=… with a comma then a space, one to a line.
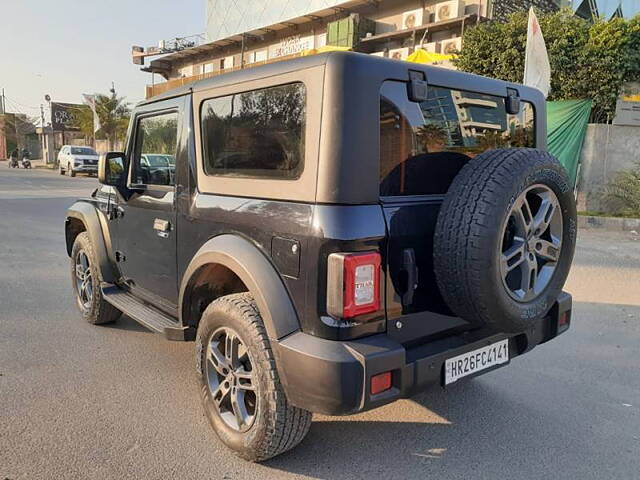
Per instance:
x=26, y=163
x=13, y=162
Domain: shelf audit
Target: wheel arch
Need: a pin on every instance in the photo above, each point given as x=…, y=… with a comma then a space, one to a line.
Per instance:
x=82, y=217
x=238, y=260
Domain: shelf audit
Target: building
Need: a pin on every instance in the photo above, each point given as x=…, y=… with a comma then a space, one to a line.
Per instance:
x=243, y=33
x=17, y=132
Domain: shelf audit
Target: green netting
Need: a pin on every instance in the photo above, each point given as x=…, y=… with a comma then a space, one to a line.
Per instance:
x=566, y=126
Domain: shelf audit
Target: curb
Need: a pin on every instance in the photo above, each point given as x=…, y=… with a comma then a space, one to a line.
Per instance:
x=612, y=224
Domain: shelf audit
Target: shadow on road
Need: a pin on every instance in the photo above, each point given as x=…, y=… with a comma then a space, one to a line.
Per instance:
x=408, y=442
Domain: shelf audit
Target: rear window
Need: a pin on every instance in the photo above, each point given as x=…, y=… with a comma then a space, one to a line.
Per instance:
x=423, y=146
x=256, y=134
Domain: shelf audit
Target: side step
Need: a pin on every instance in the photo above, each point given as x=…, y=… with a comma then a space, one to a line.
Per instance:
x=142, y=313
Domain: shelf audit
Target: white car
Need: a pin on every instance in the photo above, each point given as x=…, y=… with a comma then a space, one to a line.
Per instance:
x=74, y=159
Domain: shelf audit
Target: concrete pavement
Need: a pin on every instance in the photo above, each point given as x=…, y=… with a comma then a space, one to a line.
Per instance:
x=79, y=401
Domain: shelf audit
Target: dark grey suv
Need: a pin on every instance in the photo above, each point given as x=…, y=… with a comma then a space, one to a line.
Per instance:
x=335, y=232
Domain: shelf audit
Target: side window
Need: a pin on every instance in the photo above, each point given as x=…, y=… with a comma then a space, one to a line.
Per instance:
x=423, y=146
x=155, y=157
x=256, y=134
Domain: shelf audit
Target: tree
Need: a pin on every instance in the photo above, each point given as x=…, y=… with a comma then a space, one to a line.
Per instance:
x=113, y=112
x=588, y=60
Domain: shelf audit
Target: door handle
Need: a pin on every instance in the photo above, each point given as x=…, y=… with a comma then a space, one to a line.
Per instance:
x=162, y=227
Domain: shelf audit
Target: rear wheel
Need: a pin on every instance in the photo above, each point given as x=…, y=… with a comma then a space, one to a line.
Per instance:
x=241, y=391
x=505, y=238
x=86, y=279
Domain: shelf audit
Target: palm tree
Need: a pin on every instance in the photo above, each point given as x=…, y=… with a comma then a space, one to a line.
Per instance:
x=113, y=112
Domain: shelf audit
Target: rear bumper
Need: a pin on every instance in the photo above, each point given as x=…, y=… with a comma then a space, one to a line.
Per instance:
x=333, y=378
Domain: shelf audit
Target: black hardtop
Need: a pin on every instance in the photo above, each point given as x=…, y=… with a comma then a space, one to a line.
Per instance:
x=375, y=67
x=348, y=156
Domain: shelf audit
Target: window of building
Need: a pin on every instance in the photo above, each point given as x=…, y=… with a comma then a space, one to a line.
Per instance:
x=155, y=158
x=256, y=134
x=424, y=145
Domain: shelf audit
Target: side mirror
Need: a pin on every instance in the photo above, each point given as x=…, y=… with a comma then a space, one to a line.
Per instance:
x=111, y=168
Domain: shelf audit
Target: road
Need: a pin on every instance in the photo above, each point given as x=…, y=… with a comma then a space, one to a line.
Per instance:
x=79, y=401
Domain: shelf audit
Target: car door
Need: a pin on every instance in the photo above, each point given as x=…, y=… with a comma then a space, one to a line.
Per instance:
x=146, y=216
x=62, y=156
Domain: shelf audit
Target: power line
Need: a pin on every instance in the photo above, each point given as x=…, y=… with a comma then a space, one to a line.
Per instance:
x=22, y=104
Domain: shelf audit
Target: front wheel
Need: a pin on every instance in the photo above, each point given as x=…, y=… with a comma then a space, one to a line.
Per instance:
x=86, y=279
x=70, y=171
x=239, y=384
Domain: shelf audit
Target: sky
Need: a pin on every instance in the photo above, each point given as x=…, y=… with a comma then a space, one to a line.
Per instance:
x=65, y=48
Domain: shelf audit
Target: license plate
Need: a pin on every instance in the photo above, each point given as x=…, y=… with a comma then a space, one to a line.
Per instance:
x=475, y=361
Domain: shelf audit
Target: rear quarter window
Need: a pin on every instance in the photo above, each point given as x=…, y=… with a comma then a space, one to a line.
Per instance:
x=256, y=134
x=424, y=145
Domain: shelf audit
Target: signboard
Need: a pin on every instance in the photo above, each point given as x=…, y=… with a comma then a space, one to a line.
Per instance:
x=63, y=116
x=627, y=113
x=290, y=45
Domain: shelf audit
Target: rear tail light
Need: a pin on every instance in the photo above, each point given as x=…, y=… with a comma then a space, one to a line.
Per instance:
x=353, y=284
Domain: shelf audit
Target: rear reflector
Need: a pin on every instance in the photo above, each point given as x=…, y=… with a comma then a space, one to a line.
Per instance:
x=380, y=383
x=563, y=321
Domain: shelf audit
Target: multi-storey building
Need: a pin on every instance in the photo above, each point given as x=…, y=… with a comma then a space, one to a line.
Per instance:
x=243, y=33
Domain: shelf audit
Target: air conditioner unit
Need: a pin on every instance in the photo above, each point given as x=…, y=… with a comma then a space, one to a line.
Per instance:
x=449, y=10
x=399, y=53
x=451, y=46
x=412, y=18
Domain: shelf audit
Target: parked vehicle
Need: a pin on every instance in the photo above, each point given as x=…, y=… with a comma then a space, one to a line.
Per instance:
x=74, y=159
x=26, y=163
x=341, y=231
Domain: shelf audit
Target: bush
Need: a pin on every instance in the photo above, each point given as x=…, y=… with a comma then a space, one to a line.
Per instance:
x=622, y=194
x=588, y=60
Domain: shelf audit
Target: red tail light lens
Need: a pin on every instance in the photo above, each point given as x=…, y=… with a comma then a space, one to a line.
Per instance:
x=353, y=284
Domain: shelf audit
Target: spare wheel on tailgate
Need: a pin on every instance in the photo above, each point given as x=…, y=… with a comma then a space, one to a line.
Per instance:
x=505, y=238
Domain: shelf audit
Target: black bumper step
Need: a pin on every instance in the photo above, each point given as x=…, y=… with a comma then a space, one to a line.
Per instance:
x=144, y=314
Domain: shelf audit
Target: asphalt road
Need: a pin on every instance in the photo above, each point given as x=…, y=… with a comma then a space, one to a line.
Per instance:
x=79, y=401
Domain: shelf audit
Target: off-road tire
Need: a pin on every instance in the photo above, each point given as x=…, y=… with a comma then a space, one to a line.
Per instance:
x=468, y=236
x=100, y=311
x=61, y=170
x=278, y=426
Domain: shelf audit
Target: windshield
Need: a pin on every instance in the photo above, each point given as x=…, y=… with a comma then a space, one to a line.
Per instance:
x=83, y=151
x=157, y=160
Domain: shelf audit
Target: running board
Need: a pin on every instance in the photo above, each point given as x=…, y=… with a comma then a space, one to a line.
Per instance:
x=142, y=313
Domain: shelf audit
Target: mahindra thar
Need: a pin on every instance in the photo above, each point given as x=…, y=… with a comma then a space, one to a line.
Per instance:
x=334, y=232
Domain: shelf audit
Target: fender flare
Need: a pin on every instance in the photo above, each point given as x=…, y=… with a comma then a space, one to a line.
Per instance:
x=89, y=216
x=259, y=276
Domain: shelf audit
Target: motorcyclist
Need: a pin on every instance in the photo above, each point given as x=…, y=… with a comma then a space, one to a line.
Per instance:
x=26, y=163
x=13, y=158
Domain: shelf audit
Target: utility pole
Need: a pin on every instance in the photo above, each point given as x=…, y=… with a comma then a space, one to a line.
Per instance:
x=2, y=109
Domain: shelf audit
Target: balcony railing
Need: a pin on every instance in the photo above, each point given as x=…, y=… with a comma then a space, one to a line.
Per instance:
x=159, y=88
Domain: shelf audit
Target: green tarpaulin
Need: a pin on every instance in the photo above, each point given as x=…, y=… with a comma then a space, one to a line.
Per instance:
x=566, y=126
